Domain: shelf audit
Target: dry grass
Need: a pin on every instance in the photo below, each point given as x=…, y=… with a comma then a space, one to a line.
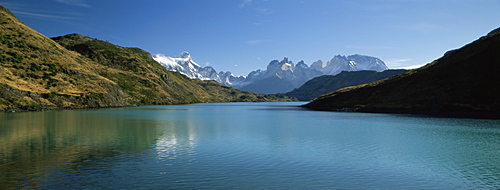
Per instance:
x=37, y=72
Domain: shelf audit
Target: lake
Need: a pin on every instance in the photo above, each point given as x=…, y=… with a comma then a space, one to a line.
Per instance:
x=245, y=146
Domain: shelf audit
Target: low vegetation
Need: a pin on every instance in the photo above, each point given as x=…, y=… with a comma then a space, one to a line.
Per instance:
x=464, y=82
x=74, y=71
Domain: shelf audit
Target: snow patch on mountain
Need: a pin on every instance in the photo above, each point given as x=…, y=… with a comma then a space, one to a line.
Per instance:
x=296, y=74
x=184, y=64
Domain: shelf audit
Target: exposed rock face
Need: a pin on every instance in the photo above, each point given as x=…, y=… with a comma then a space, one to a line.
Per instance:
x=294, y=74
x=298, y=74
x=183, y=64
x=356, y=62
x=318, y=65
x=305, y=73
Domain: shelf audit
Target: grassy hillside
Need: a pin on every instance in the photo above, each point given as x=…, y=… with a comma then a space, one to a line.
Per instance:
x=329, y=83
x=148, y=82
x=38, y=73
x=464, y=82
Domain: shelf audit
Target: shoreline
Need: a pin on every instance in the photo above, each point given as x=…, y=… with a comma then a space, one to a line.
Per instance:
x=469, y=114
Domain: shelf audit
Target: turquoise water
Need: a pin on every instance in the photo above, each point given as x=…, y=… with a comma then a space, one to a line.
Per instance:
x=245, y=146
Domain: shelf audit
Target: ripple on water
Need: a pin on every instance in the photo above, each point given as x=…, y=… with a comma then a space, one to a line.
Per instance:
x=247, y=146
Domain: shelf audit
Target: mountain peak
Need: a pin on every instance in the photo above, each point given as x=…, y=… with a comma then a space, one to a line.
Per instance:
x=295, y=74
x=285, y=60
x=301, y=62
x=185, y=55
x=318, y=65
x=339, y=56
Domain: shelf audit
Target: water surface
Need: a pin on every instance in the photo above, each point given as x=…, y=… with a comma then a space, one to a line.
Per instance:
x=245, y=146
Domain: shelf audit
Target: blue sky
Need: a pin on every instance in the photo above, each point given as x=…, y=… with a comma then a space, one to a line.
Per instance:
x=245, y=35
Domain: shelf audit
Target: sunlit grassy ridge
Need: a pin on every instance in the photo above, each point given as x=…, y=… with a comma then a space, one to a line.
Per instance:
x=38, y=73
x=148, y=82
x=463, y=81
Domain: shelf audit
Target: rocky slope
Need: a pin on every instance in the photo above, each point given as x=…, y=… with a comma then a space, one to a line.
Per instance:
x=37, y=73
x=355, y=62
x=279, y=76
x=184, y=64
x=463, y=82
x=285, y=76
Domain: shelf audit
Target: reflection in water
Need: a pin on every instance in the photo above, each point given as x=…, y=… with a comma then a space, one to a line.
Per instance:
x=35, y=145
x=245, y=145
x=176, y=138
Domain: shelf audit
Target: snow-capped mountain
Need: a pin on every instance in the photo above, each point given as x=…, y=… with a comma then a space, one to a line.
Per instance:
x=284, y=73
x=290, y=76
x=355, y=62
x=296, y=74
x=184, y=64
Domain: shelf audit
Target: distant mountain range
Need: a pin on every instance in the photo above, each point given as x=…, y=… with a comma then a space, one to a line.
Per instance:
x=464, y=82
x=75, y=71
x=280, y=76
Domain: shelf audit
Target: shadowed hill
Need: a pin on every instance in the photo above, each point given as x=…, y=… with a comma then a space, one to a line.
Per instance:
x=269, y=85
x=37, y=73
x=464, y=82
x=329, y=83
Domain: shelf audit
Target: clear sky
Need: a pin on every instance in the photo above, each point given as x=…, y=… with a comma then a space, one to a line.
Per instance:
x=245, y=35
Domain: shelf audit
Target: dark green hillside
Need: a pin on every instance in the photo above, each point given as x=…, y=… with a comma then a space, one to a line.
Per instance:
x=38, y=73
x=464, y=82
x=329, y=83
x=271, y=85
